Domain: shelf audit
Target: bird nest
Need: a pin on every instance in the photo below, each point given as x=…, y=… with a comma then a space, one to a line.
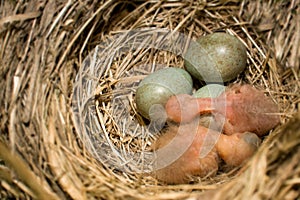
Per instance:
x=70, y=127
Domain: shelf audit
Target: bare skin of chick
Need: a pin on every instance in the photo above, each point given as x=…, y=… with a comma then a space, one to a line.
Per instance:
x=184, y=146
x=242, y=107
x=237, y=148
x=200, y=158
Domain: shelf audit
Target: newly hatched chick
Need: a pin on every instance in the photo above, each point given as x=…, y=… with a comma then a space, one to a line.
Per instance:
x=243, y=107
x=235, y=149
x=179, y=157
x=188, y=150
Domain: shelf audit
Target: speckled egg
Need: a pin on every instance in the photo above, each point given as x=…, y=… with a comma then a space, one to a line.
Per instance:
x=217, y=57
x=210, y=90
x=156, y=88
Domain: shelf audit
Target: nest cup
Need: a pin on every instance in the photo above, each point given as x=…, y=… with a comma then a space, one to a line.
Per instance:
x=84, y=138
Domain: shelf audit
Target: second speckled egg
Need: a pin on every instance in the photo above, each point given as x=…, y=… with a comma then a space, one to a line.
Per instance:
x=156, y=88
x=210, y=91
x=217, y=57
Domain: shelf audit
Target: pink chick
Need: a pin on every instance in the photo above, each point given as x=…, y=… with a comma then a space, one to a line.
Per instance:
x=242, y=107
x=200, y=158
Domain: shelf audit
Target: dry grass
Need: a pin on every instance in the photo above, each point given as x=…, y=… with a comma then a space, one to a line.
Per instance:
x=42, y=45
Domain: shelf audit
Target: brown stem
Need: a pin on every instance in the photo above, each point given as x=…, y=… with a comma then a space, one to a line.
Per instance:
x=24, y=173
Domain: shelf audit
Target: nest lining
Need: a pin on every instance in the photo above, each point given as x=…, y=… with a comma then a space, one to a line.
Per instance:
x=122, y=136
